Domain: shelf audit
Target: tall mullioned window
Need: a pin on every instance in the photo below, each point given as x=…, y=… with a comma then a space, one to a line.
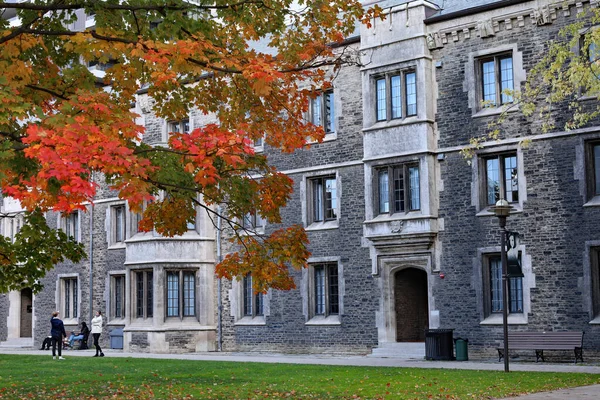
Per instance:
x=181, y=294
x=497, y=81
x=326, y=289
x=322, y=111
x=398, y=189
x=324, y=199
x=253, y=302
x=493, y=286
x=501, y=178
x=144, y=294
x=69, y=297
x=396, y=95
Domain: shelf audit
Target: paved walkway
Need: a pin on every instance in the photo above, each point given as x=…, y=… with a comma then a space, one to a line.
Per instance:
x=583, y=393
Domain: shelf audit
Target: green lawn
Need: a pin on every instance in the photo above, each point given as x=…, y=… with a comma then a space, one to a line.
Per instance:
x=40, y=377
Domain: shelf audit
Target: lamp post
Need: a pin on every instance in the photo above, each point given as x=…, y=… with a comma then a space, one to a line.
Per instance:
x=502, y=209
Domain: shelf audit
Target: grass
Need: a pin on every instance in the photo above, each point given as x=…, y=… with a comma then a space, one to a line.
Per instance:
x=40, y=377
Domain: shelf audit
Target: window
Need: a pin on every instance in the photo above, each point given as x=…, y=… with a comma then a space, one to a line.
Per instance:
x=595, y=275
x=253, y=302
x=253, y=221
x=398, y=189
x=144, y=294
x=593, y=169
x=181, y=294
x=493, y=288
x=69, y=296
x=12, y=226
x=325, y=289
x=324, y=199
x=322, y=111
x=496, y=76
x=591, y=52
x=71, y=225
x=182, y=126
x=258, y=142
x=501, y=178
x=396, y=95
x=118, y=296
x=118, y=223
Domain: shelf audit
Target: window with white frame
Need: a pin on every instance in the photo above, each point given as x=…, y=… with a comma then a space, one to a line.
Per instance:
x=253, y=221
x=253, y=303
x=496, y=79
x=500, y=178
x=181, y=293
x=143, y=293
x=323, y=199
x=322, y=111
x=118, y=219
x=11, y=225
x=71, y=225
x=325, y=289
x=396, y=95
x=182, y=126
x=492, y=288
x=398, y=188
x=69, y=297
x=117, y=295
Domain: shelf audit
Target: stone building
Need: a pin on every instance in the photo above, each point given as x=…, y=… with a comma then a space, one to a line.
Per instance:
x=400, y=227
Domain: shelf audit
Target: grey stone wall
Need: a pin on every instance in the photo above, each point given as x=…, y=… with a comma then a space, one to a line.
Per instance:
x=285, y=328
x=554, y=225
x=3, y=316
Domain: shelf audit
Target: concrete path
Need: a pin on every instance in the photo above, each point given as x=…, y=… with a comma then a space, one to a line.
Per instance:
x=584, y=393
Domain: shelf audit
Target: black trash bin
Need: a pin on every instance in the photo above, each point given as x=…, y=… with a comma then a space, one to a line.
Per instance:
x=439, y=344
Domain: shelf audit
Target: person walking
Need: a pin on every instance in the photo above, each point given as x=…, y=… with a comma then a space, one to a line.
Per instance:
x=57, y=332
x=96, y=331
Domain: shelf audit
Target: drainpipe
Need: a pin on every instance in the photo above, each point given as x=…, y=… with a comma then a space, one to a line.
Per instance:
x=219, y=297
x=91, y=257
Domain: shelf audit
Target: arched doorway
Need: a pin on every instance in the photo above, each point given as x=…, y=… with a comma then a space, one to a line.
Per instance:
x=26, y=313
x=411, y=304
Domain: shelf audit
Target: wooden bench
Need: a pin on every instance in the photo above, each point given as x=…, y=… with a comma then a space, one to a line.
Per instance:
x=540, y=341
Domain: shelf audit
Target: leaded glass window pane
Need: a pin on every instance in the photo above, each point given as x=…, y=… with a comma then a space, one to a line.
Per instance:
x=189, y=294
x=316, y=110
x=516, y=295
x=493, y=181
x=319, y=290
x=381, y=100
x=489, y=81
x=506, y=78
x=396, y=97
x=172, y=294
x=415, y=192
x=398, y=189
x=329, y=113
x=139, y=295
x=511, y=186
x=318, y=200
x=411, y=94
x=248, y=295
x=384, y=194
x=149, y=294
x=496, y=284
x=330, y=199
x=332, y=281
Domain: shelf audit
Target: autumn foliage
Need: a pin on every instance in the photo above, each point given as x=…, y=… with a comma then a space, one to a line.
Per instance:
x=64, y=131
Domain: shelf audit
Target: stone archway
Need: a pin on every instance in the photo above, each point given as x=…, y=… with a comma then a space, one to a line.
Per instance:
x=411, y=305
x=26, y=313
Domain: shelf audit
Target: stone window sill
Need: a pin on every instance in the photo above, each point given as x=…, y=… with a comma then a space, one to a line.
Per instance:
x=319, y=226
x=493, y=111
x=321, y=320
x=595, y=321
x=251, y=321
x=594, y=202
x=513, y=319
x=331, y=136
x=117, y=246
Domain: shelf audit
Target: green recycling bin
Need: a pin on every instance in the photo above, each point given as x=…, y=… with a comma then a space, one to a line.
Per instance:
x=462, y=349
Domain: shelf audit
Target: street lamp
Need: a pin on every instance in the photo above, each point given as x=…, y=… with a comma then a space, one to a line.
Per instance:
x=502, y=209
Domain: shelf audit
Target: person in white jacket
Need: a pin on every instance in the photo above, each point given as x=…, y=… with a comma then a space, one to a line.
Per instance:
x=96, y=331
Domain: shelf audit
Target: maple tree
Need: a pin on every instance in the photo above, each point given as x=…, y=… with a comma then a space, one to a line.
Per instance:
x=63, y=132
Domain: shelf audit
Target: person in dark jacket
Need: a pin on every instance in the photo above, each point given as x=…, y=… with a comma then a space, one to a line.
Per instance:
x=82, y=335
x=58, y=333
